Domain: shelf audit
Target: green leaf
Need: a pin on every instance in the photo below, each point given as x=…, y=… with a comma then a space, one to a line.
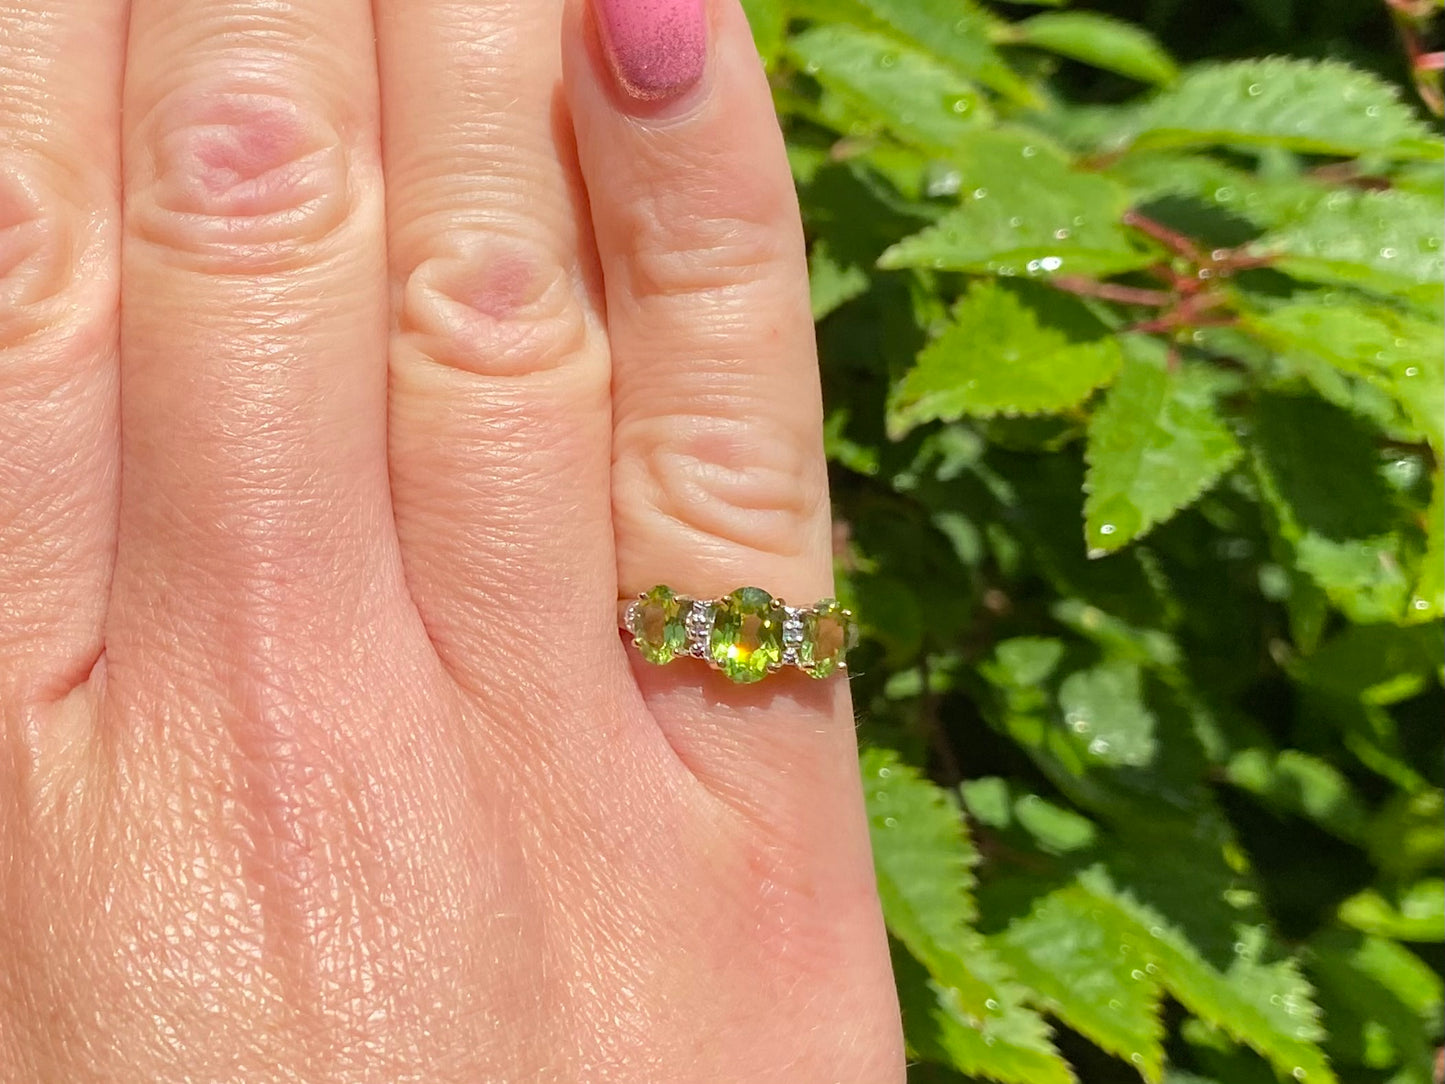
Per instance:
x=1254, y=199
x=958, y=32
x=769, y=20
x=1415, y=914
x=1053, y=828
x=1378, y=664
x=1105, y=707
x=924, y=861
x=1395, y=968
x=937, y=1029
x=1214, y=1052
x=1318, y=473
x=1402, y=356
x=999, y=357
x=1100, y=40
x=1083, y=958
x=1428, y=603
x=1383, y=1002
x=1407, y=837
x=833, y=283
x=1148, y=647
x=1024, y=211
x=1388, y=242
x=1316, y=107
x=917, y=98
x=1296, y=782
x=1154, y=447
x=890, y=613
x=1266, y=1005
x=1042, y=825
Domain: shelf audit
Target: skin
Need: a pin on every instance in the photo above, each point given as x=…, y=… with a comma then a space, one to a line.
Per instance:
x=354, y=360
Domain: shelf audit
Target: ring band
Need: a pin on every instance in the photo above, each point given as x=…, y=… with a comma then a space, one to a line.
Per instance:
x=746, y=635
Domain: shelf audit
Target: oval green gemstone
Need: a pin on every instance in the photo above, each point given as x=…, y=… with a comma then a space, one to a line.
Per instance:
x=828, y=633
x=656, y=624
x=747, y=635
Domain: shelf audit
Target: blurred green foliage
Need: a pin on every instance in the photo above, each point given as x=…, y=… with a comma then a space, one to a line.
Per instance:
x=1132, y=345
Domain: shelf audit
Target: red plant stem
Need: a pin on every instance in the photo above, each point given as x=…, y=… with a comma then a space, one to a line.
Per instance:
x=1238, y=260
x=1127, y=295
x=1174, y=321
x=1411, y=18
x=1170, y=239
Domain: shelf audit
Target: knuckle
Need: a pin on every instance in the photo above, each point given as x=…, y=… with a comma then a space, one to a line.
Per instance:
x=737, y=478
x=684, y=244
x=715, y=258
x=57, y=282
x=493, y=306
x=244, y=180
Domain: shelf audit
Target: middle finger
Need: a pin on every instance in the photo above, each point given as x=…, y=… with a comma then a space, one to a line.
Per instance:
x=500, y=411
x=255, y=509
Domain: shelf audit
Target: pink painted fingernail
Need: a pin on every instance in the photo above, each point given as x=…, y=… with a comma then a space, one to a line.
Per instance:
x=657, y=48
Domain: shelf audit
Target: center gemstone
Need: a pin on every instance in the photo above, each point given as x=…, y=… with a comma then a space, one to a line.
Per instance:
x=747, y=635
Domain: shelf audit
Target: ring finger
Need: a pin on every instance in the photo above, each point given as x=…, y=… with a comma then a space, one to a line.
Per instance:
x=718, y=469
x=499, y=407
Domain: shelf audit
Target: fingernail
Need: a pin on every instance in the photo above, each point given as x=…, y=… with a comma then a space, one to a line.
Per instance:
x=657, y=48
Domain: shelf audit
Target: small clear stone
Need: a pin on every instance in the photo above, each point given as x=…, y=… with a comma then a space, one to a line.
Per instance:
x=699, y=628
x=792, y=634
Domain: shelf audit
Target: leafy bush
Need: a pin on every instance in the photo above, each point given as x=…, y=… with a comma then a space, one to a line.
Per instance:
x=1135, y=401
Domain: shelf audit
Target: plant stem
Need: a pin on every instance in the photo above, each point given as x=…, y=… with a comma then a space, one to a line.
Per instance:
x=1109, y=291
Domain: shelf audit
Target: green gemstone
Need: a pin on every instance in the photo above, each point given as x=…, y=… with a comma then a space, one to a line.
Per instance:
x=747, y=635
x=655, y=621
x=828, y=632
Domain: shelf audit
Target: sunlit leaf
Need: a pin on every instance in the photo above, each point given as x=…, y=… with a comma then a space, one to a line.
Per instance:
x=1155, y=445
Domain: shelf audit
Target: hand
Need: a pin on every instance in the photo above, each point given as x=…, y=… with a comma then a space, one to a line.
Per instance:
x=333, y=421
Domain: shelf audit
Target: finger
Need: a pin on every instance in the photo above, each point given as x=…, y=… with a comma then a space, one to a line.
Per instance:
x=718, y=475
x=500, y=428
x=253, y=333
x=60, y=65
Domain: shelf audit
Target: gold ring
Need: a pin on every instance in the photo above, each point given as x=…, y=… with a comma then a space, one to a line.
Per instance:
x=746, y=635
